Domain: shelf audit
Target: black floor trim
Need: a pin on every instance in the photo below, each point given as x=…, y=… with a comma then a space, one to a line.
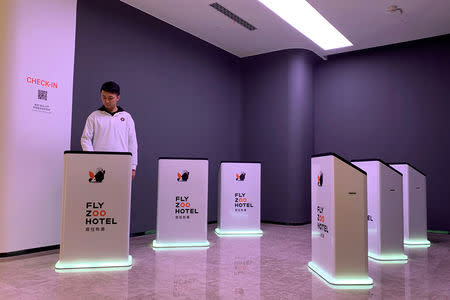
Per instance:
x=29, y=251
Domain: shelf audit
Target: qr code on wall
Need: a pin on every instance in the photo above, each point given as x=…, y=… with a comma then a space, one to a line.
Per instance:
x=42, y=95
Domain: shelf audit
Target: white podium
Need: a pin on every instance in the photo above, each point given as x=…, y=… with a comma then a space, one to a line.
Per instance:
x=339, y=221
x=96, y=210
x=239, y=198
x=182, y=206
x=414, y=205
x=385, y=210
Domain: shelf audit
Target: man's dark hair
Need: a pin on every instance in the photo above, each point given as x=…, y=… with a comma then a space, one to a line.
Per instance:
x=111, y=87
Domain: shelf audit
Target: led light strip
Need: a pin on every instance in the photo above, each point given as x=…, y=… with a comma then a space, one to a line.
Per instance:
x=180, y=244
x=94, y=270
x=357, y=282
x=424, y=243
x=220, y=232
x=306, y=19
x=94, y=264
x=399, y=258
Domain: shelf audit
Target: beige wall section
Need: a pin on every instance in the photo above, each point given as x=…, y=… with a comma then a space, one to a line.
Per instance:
x=38, y=43
x=6, y=11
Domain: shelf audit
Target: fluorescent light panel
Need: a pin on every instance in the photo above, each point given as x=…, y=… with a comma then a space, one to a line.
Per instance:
x=306, y=19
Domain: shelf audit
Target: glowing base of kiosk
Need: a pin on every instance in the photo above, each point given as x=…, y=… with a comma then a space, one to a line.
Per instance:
x=159, y=245
x=83, y=265
x=220, y=232
x=347, y=283
x=417, y=243
x=394, y=258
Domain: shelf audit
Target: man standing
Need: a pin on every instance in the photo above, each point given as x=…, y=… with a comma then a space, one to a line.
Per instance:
x=110, y=128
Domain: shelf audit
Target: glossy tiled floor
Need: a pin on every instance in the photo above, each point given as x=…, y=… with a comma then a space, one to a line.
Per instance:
x=270, y=267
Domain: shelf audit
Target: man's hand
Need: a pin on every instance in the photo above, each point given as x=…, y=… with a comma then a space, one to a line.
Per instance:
x=133, y=174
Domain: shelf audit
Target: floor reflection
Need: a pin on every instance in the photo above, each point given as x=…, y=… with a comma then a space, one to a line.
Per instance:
x=93, y=282
x=416, y=285
x=240, y=267
x=273, y=266
x=180, y=273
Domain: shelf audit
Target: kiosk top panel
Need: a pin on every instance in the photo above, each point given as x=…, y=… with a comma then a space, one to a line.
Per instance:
x=380, y=161
x=340, y=158
x=97, y=152
x=183, y=158
x=405, y=163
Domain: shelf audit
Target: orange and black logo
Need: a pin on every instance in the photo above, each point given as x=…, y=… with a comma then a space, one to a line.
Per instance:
x=183, y=176
x=320, y=179
x=240, y=177
x=98, y=176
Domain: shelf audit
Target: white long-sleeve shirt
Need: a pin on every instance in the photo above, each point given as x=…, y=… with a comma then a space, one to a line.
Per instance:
x=110, y=132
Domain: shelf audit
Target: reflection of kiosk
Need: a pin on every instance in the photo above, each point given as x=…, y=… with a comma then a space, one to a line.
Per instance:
x=240, y=267
x=339, y=221
x=96, y=210
x=239, y=198
x=181, y=219
x=414, y=205
x=385, y=210
x=180, y=274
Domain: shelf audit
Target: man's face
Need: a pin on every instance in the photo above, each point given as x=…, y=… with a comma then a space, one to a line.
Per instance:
x=109, y=100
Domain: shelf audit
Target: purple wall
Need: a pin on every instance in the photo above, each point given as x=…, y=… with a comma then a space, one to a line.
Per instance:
x=183, y=93
x=391, y=103
x=189, y=98
x=278, y=130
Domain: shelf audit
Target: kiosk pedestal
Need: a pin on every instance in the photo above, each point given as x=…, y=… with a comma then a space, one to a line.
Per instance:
x=339, y=222
x=414, y=205
x=239, y=199
x=182, y=210
x=96, y=210
x=385, y=211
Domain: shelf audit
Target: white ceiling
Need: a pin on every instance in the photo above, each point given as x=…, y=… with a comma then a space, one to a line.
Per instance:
x=366, y=23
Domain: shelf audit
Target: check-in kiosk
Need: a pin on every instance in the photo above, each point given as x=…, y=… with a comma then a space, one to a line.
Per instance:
x=385, y=210
x=96, y=210
x=182, y=204
x=239, y=198
x=414, y=205
x=339, y=221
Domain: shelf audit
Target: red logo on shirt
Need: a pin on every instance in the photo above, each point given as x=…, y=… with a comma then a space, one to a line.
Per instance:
x=122, y=119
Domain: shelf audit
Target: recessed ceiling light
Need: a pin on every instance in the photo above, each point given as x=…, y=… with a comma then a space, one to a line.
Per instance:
x=306, y=19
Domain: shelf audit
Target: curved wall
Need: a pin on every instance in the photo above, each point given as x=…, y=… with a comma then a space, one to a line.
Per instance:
x=278, y=130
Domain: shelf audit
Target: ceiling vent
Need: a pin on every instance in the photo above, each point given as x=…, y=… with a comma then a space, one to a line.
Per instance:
x=232, y=16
